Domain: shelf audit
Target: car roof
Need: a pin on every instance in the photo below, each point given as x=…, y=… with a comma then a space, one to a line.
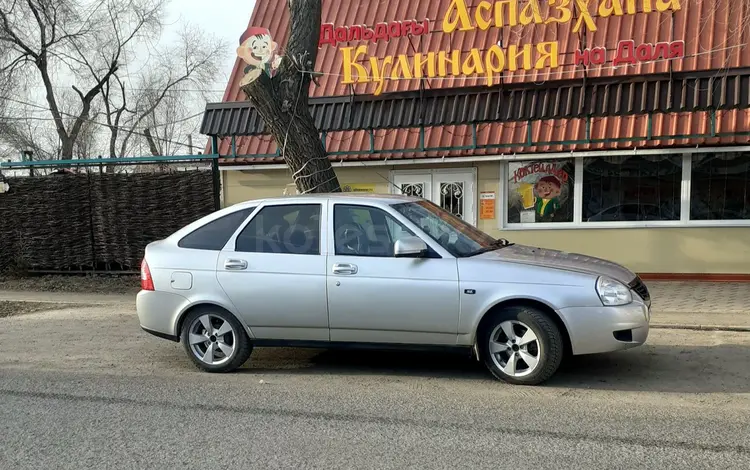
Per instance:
x=339, y=197
x=353, y=198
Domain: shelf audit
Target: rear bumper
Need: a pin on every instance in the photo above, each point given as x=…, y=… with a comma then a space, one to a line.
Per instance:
x=158, y=312
x=596, y=330
x=176, y=339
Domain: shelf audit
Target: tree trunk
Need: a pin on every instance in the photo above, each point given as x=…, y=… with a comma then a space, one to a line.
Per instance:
x=112, y=146
x=282, y=102
x=152, y=147
x=66, y=147
x=298, y=141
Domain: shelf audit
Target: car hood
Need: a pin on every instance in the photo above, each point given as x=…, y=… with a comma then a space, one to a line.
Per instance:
x=561, y=260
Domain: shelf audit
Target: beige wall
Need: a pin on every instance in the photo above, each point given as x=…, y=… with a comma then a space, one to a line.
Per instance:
x=241, y=185
x=645, y=250
x=654, y=250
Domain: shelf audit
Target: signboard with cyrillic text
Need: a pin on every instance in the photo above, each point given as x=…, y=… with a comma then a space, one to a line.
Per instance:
x=490, y=62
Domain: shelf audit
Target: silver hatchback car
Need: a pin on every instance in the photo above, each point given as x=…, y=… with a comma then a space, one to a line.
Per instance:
x=380, y=271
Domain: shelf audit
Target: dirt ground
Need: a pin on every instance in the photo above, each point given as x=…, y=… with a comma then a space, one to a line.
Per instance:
x=9, y=308
x=85, y=283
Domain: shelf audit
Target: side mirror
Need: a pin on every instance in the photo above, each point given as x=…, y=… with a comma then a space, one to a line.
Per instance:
x=409, y=247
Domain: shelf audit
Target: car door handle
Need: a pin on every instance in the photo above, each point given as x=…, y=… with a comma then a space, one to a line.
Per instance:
x=344, y=268
x=235, y=264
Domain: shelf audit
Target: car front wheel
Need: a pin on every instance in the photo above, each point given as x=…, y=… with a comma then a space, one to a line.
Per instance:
x=521, y=345
x=214, y=340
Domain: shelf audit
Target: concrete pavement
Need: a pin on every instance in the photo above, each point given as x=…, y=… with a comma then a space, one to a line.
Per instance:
x=702, y=305
x=86, y=388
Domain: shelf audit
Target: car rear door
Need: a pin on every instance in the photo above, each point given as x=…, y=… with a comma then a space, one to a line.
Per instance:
x=374, y=297
x=273, y=271
x=191, y=268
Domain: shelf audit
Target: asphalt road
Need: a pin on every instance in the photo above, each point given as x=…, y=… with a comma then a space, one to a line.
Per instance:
x=87, y=389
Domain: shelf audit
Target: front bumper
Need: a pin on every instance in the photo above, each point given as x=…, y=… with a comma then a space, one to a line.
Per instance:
x=602, y=329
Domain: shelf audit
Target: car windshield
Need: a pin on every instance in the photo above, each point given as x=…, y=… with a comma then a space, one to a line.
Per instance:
x=456, y=236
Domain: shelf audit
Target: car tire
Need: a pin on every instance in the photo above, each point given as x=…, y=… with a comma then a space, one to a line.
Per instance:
x=227, y=335
x=514, y=356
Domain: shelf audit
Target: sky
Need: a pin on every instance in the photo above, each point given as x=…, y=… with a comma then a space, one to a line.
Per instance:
x=224, y=18
x=227, y=22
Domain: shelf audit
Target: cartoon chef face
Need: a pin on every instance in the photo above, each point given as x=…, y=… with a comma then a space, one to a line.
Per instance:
x=256, y=46
x=548, y=187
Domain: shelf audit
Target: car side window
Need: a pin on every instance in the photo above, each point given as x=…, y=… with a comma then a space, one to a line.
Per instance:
x=215, y=234
x=284, y=229
x=366, y=231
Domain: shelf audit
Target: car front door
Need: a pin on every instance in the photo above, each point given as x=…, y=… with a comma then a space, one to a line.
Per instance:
x=274, y=272
x=374, y=297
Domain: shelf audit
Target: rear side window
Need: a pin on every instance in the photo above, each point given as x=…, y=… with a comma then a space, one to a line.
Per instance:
x=215, y=234
x=285, y=229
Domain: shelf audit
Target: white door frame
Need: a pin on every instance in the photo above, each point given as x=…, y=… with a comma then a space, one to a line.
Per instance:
x=428, y=177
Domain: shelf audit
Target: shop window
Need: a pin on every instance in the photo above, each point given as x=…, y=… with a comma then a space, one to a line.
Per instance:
x=632, y=188
x=720, y=186
x=540, y=191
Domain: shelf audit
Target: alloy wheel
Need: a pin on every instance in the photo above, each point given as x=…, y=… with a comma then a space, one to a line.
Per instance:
x=212, y=339
x=515, y=348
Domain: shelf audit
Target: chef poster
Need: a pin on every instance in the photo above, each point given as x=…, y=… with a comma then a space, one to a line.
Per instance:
x=540, y=191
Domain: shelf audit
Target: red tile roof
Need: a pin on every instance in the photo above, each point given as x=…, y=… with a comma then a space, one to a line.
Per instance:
x=713, y=30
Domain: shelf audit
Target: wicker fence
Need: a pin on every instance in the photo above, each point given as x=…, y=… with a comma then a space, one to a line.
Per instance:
x=96, y=221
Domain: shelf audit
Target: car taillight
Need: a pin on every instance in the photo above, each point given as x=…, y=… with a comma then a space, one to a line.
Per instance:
x=146, y=282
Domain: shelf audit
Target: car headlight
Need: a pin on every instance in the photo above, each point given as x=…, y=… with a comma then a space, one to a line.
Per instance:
x=613, y=293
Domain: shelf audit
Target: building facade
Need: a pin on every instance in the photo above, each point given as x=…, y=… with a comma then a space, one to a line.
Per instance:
x=615, y=128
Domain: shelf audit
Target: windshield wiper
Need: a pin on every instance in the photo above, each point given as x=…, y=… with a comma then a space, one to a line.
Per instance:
x=497, y=244
x=502, y=243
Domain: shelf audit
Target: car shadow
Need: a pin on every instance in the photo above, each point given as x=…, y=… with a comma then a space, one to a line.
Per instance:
x=366, y=362
x=673, y=369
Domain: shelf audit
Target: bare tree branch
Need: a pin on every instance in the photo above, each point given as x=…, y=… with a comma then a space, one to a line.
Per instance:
x=89, y=43
x=8, y=34
x=199, y=60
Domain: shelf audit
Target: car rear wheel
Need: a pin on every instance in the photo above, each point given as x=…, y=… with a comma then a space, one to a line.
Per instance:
x=214, y=340
x=521, y=345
